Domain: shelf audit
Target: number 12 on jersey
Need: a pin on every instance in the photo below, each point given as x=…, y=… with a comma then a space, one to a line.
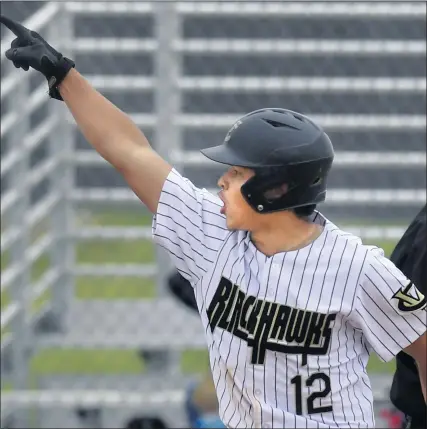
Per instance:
x=311, y=409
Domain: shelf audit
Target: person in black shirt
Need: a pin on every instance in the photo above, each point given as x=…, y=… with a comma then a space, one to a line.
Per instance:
x=410, y=257
x=201, y=402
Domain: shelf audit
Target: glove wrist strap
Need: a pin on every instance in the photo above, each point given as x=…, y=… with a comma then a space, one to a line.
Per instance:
x=62, y=68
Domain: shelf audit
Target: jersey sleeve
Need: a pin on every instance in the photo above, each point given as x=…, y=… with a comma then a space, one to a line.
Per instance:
x=189, y=225
x=389, y=308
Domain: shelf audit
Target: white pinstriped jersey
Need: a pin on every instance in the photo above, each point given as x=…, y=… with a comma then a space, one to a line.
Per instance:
x=289, y=336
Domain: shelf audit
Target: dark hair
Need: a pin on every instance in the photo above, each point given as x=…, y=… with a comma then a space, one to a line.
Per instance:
x=304, y=211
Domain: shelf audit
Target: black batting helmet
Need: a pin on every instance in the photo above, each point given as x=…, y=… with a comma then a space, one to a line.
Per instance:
x=282, y=147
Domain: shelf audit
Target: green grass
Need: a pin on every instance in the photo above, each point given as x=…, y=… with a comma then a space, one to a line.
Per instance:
x=86, y=362
x=116, y=251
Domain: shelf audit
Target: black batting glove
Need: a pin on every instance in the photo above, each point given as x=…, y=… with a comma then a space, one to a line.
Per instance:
x=29, y=49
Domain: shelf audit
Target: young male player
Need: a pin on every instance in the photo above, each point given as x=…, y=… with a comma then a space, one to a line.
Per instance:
x=292, y=306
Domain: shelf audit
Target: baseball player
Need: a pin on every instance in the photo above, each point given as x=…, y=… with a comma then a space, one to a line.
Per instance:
x=292, y=306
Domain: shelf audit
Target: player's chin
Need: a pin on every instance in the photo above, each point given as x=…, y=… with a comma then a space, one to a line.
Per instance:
x=234, y=223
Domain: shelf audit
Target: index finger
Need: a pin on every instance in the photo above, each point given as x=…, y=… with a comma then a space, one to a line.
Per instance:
x=16, y=28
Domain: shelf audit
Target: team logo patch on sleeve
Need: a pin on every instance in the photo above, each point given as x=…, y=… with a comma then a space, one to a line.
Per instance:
x=409, y=298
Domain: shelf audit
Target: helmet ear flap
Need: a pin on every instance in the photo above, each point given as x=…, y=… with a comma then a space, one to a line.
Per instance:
x=264, y=192
x=276, y=192
x=295, y=187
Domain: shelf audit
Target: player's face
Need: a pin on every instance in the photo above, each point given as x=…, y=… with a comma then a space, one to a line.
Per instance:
x=239, y=214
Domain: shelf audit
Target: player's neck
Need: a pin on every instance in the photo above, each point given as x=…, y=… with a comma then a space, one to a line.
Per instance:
x=284, y=233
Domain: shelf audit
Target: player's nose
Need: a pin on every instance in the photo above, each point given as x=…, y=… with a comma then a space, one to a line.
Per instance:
x=221, y=182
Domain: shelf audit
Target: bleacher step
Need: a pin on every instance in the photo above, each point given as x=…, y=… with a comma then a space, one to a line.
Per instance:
x=147, y=325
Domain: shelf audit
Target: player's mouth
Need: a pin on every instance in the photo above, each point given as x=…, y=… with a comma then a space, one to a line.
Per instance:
x=223, y=208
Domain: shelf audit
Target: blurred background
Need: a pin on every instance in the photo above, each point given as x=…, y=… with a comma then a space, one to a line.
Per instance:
x=91, y=336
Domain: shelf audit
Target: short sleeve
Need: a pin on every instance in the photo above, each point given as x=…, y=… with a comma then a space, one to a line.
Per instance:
x=189, y=225
x=389, y=308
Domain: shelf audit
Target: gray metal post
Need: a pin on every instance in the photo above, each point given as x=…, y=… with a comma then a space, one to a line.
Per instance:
x=16, y=218
x=168, y=103
x=168, y=134
x=61, y=147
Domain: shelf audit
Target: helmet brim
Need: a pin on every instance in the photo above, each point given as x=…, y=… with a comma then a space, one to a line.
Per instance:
x=224, y=155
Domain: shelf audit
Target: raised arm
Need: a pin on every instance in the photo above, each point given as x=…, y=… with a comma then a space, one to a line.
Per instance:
x=187, y=220
x=110, y=131
x=116, y=138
